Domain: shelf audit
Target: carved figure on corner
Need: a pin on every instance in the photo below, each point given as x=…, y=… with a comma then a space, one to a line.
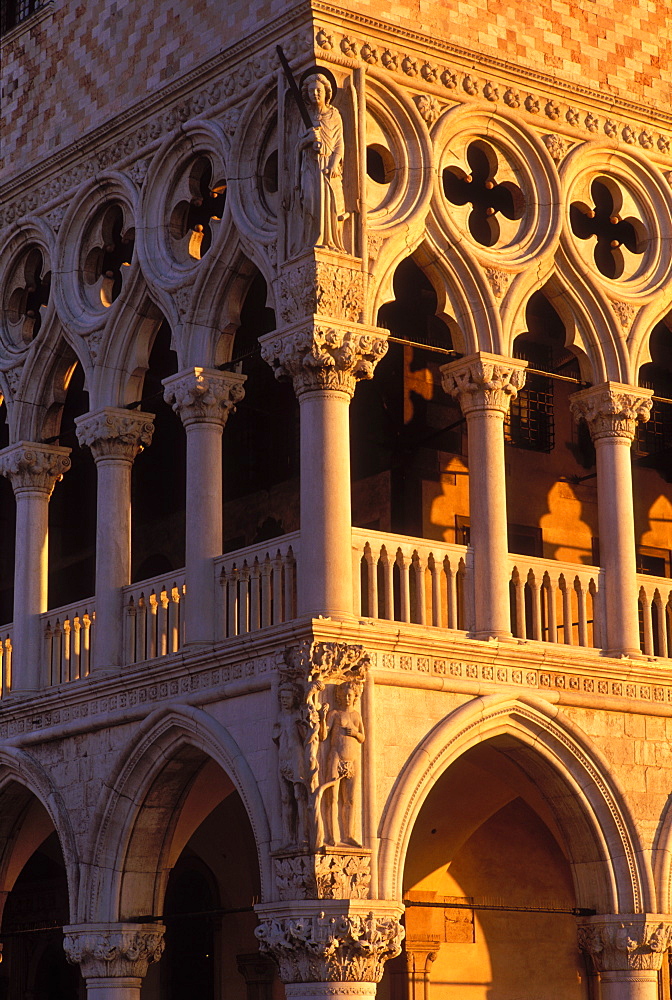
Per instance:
x=345, y=731
x=289, y=734
x=318, y=170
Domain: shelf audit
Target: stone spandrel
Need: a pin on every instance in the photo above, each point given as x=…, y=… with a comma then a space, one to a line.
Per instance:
x=484, y=381
x=113, y=950
x=31, y=466
x=204, y=395
x=115, y=433
x=612, y=409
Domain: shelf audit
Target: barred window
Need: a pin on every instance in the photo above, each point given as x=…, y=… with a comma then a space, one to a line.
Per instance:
x=529, y=423
x=13, y=12
x=655, y=435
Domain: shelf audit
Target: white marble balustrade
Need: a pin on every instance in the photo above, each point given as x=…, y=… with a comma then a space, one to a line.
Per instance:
x=68, y=641
x=258, y=585
x=655, y=615
x=554, y=601
x=154, y=617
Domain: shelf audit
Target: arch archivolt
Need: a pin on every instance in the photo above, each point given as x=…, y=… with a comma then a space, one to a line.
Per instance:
x=140, y=816
x=609, y=868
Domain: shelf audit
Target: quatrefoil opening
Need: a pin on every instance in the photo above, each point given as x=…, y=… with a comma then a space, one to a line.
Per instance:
x=497, y=205
x=620, y=237
x=27, y=296
x=108, y=255
x=197, y=212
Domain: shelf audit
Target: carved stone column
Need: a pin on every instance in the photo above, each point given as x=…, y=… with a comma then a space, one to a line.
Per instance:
x=204, y=398
x=338, y=949
x=627, y=951
x=114, y=958
x=325, y=360
x=611, y=411
x=484, y=385
x=33, y=470
x=115, y=437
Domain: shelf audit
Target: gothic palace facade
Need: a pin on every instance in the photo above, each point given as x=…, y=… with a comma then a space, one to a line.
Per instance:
x=336, y=451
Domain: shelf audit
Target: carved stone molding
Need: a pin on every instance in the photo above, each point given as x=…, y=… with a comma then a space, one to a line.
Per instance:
x=113, y=950
x=625, y=312
x=204, y=395
x=115, y=433
x=318, y=356
x=323, y=287
x=626, y=942
x=325, y=662
x=612, y=409
x=335, y=944
x=484, y=381
x=330, y=875
x=31, y=466
x=499, y=280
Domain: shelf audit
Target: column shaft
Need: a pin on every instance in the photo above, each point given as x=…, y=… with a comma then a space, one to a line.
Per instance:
x=204, y=527
x=325, y=586
x=109, y=988
x=629, y=985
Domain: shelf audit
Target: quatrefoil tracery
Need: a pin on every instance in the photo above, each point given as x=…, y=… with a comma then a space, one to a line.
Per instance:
x=611, y=220
x=496, y=205
x=197, y=212
x=27, y=297
x=108, y=252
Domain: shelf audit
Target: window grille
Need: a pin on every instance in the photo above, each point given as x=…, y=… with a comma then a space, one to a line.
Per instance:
x=656, y=434
x=530, y=422
x=13, y=12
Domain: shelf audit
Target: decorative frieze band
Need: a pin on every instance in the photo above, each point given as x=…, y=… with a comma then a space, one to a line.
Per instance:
x=623, y=942
x=322, y=285
x=328, y=875
x=484, y=381
x=115, y=433
x=113, y=950
x=612, y=409
x=31, y=466
x=204, y=395
x=318, y=356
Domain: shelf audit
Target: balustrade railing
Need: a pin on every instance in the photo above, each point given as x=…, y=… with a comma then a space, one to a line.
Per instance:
x=411, y=580
x=655, y=615
x=555, y=601
x=258, y=585
x=154, y=617
x=6, y=635
x=68, y=641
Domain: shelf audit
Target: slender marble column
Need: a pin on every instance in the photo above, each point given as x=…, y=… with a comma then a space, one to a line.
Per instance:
x=204, y=398
x=627, y=950
x=484, y=385
x=115, y=437
x=33, y=470
x=611, y=411
x=114, y=958
x=325, y=365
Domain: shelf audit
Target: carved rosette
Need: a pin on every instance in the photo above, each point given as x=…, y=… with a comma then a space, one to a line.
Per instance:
x=484, y=381
x=323, y=876
x=318, y=357
x=113, y=950
x=626, y=942
x=612, y=410
x=115, y=433
x=31, y=466
x=204, y=395
x=331, y=945
x=323, y=287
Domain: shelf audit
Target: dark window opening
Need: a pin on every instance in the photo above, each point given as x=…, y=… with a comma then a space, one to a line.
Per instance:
x=13, y=12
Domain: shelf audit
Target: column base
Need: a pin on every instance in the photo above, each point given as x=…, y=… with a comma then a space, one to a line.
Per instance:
x=501, y=635
x=330, y=991
x=625, y=654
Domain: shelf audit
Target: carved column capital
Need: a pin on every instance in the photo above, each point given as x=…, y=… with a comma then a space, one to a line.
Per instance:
x=625, y=942
x=204, y=395
x=612, y=409
x=115, y=433
x=484, y=381
x=343, y=942
x=34, y=467
x=324, y=356
x=113, y=950
x=320, y=283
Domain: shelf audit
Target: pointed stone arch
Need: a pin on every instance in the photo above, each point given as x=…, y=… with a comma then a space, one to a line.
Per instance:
x=608, y=866
x=139, y=812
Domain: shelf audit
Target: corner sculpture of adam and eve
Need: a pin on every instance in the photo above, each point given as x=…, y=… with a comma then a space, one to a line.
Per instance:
x=319, y=750
x=316, y=204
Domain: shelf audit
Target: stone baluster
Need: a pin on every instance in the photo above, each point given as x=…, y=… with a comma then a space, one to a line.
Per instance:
x=484, y=385
x=611, y=411
x=325, y=361
x=627, y=950
x=115, y=437
x=114, y=958
x=332, y=948
x=33, y=470
x=203, y=398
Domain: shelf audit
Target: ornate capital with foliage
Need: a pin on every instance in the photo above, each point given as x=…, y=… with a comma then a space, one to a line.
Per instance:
x=331, y=874
x=31, y=466
x=204, y=395
x=320, y=285
x=484, y=381
x=624, y=942
x=612, y=409
x=115, y=433
x=113, y=950
x=318, y=356
x=336, y=944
